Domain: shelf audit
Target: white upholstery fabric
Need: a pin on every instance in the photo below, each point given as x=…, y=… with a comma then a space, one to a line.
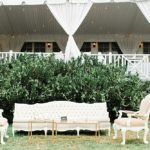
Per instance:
x=145, y=105
x=53, y=111
x=23, y=112
x=134, y=124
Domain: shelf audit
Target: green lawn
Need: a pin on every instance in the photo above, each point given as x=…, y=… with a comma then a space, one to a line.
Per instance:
x=72, y=142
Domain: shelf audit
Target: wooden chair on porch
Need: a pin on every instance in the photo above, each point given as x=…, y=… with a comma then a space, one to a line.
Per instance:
x=135, y=121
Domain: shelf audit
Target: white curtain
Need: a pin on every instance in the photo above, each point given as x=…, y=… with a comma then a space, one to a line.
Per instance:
x=70, y=16
x=55, y=1
x=62, y=44
x=31, y=2
x=129, y=45
x=79, y=1
x=16, y=43
x=79, y=43
x=144, y=6
x=101, y=1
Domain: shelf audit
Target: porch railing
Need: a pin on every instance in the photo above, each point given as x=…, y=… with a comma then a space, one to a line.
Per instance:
x=9, y=55
x=136, y=63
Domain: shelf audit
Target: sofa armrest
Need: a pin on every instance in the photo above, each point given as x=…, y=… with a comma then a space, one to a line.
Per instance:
x=128, y=112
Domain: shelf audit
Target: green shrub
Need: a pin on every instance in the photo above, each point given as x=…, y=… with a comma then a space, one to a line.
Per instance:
x=33, y=79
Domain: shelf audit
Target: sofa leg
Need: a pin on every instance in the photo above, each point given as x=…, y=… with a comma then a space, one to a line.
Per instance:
x=145, y=135
x=13, y=132
x=123, y=136
x=6, y=136
x=2, y=135
x=115, y=132
x=45, y=131
x=109, y=131
x=78, y=132
x=137, y=135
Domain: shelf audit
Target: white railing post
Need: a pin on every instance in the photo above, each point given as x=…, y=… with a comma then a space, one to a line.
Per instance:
x=10, y=55
x=39, y=54
x=122, y=61
x=146, y=64
x=110, y=57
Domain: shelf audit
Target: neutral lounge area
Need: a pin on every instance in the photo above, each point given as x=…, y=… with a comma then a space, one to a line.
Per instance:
x=74, y=74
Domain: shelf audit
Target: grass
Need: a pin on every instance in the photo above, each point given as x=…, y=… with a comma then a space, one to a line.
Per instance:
x=71, y=142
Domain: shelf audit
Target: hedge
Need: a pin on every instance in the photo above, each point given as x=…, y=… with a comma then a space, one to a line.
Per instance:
x=32, y=79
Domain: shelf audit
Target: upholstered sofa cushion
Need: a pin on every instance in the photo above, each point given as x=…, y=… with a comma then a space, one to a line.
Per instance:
x=145, y=104
x=3, y=122
x=23, y=112
x=53, y=111
x=132, y=122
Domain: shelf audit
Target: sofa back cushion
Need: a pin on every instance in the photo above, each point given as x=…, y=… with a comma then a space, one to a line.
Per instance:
x=55, y=110
x=89, y=112
x=23, y=112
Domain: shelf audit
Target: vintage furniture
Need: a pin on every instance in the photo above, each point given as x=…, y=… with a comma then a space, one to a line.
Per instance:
x=3, y=127
x=54, y=111
x=135, y=121
x=90, y=125
x=48, y=122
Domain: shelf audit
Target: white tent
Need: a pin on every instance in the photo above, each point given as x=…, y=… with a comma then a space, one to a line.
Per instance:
x=124, y=21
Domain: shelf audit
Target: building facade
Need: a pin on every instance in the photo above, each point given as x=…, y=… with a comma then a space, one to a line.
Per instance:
x=116, y=27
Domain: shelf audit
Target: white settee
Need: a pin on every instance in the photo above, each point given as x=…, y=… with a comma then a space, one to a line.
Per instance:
x=75, y=112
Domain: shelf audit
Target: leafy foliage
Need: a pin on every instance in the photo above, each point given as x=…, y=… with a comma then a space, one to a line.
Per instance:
x=34, y=79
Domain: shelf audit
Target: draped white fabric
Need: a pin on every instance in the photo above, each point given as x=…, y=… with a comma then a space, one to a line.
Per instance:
x=129, y=45
x=101, y=1
x=72, y=50
x=39, y=2
x=31, y=2
x=55, y=1
x=62, y=44
x=79, y=42
x=111, y=1
x=70, y=16
x=12, y=43
x=144, y=6
x=78, y=1
x=16, y=44
x=122, y=1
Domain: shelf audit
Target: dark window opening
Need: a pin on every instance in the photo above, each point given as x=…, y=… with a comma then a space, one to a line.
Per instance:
x=146, y=47
x=86, y=47
x=27, y=47
x=115, y=48
x=56, y=47
x=103, y=47
x=39, y=47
